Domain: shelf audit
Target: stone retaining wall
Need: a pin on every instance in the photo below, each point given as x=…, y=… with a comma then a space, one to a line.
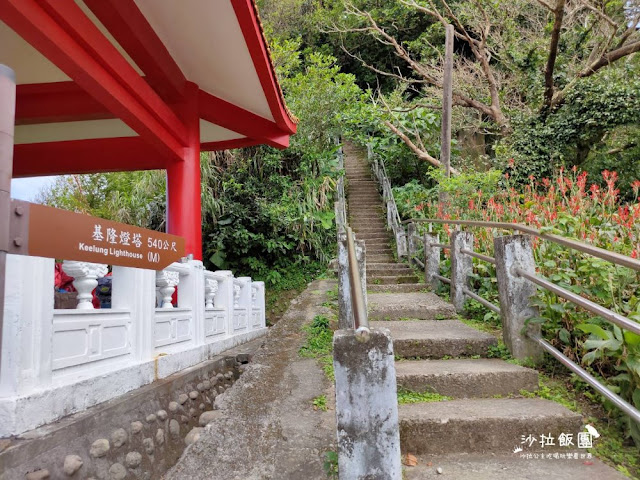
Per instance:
x=138, y=435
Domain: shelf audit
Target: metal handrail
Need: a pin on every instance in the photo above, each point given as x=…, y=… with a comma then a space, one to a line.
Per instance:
x=479, y=256
x=587, y=377
x=568, y=295
x=361, y=323
x=598, y=252
x=610, y=315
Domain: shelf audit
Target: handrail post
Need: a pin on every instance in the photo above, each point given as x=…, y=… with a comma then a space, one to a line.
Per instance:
x=411, y=243
x=431, y=260
x=515, y=292
x=461, y=267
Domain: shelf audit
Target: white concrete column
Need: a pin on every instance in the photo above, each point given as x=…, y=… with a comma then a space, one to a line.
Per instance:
x=241, y=304
x=259, y=303
x=191, y=295
x=223, y=297
x=134, y=289
x=28, y=325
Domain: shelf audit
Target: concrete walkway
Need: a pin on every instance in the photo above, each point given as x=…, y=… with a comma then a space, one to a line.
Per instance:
x=267, y=427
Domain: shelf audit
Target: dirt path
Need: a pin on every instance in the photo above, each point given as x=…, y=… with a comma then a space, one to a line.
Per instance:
x=268, y=428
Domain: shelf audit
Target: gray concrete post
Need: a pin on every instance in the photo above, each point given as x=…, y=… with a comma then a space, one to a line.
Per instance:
x=511, y=252
x=345, y=311
x=431, y=260
x=461, y=267
x=411, y=243
x=345, y=314
x=361, y=256
x=366, y=407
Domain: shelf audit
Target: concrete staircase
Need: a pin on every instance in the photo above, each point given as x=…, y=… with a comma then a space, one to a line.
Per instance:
x=473, y=435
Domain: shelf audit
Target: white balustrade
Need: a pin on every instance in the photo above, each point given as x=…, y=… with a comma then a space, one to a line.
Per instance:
x=258, y=316
x=86, y=277
x=241, y=303
x=85, y=356
x=166, y=283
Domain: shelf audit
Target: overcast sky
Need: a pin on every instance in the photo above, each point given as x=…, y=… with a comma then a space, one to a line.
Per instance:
x=28, y=188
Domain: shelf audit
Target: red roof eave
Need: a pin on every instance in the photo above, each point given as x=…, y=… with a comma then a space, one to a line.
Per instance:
x=251, y=26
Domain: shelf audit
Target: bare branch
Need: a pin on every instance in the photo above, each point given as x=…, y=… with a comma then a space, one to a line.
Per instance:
x=422, y=155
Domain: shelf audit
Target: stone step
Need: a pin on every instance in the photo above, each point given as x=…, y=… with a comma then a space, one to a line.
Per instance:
x=389, y=279
x=436, y=338
x=374, y=236
x=400, y=288
x=364, y=214
x=379, y=250
x=425, y=306
x=389, y=269
x=379, y=258
x=373, y=224
x=369, y=229
x=464, y=378
x=501, y=466
x=491, y=425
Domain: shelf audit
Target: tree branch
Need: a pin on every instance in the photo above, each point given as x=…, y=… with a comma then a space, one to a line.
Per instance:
x=422, y=155
x=558, y=13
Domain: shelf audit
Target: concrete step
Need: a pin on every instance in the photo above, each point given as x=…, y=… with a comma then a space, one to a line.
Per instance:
x=370, y=229
x=389, y=269
x=373, y=265
x=464, y=378
x=424, y=306
x=370, y=225
x=436, y=338
x=374, y=236
x=474, y=466
x=492, y=425
x=379, y=250
x=400, y=288
x=379, y=258
x=383, y=241
x=390, y=279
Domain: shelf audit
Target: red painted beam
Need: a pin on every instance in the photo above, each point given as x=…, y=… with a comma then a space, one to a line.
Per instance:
x=85, y=156
x=232, y=117
x=256, y=43
x=77, y=47
x=130, y=28
x=229, y=144
x=56, y=102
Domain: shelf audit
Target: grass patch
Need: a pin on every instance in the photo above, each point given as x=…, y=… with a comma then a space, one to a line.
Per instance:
x=320, y=403
x=407, y=396
x=612, y=447
x=319, y=344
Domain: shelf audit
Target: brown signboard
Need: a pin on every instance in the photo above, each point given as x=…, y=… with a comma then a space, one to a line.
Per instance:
x=67, y=235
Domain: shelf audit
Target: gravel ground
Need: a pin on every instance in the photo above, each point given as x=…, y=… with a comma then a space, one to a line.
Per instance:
x=267, y=427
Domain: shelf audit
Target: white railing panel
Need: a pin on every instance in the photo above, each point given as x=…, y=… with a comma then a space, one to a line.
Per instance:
x=82, y=338
x=172, y=326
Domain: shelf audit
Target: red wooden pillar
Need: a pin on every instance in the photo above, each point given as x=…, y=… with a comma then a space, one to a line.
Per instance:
x=184, y=215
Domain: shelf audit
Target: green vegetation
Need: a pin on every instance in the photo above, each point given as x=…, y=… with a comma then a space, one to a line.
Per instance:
x=320, y=403
x=612, y=446
x=407, y=396
x=319, y=344
x=330, y=464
